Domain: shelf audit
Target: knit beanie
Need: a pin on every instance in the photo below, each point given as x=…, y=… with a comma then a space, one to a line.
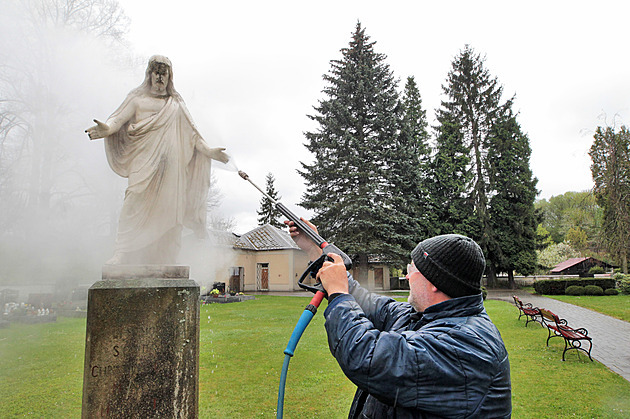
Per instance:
x=451, y=262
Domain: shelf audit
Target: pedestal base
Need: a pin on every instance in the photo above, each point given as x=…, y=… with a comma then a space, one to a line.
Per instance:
x=142, y=344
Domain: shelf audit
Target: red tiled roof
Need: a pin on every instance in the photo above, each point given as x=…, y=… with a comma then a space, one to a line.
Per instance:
x=567, y=264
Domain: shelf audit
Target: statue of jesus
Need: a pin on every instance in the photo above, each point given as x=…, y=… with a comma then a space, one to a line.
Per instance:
x=152, y=140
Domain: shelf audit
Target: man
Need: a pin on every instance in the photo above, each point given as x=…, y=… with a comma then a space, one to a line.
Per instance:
x=439, y=355
x=152, y=140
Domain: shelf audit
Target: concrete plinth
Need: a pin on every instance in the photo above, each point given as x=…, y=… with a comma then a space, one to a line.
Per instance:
x=142, y=344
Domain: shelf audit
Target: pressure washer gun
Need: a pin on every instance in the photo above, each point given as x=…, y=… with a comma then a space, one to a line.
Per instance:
x=317, y=288
x=326, y=247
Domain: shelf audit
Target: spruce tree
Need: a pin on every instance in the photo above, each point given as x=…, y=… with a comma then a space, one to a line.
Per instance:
x=610, y=155
x=511, y=209
x=267, y=213
x=473, y=99
x=474, y=106
x=347, y=184
x=409, y=155
x=448, y=208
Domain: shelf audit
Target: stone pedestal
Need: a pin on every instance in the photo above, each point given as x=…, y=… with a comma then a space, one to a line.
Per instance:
x=142, y=344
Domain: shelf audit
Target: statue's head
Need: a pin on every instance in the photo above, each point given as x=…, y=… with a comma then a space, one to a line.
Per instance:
x=159, y=76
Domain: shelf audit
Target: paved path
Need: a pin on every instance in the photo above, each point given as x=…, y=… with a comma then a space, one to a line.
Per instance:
x=611, y=337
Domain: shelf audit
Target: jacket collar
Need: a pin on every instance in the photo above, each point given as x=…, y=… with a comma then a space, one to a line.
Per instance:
x=469, y=305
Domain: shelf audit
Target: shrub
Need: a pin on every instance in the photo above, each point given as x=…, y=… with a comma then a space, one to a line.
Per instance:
x=623, y=283
x=611, y=291
x=484, y=292
x=596, y=270
x=593, y=290
x=575, y=290
x=558, y=286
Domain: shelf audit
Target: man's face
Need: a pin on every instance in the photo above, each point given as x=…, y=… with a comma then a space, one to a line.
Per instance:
x=159, y=78
x=418, y=288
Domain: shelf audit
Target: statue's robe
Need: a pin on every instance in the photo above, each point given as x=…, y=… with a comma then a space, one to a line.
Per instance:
x=168, y=183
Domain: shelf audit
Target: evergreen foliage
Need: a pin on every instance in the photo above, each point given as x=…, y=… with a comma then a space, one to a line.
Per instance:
x=267, y=213
x=511, y=208
x=610, y=154
x=450, y=209
x=410, y=156
x=483, y=158
x=376, y=186
x=348, y=185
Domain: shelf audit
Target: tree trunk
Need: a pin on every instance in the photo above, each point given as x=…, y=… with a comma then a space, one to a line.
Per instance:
x=511, y=282
x=362, y=269
x=492, y=276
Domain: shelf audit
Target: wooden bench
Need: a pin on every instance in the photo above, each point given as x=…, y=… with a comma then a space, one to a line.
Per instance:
x=530, y=312
x=573, y=338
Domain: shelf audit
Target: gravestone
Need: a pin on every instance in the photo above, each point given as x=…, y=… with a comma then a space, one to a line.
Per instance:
x=142, y=344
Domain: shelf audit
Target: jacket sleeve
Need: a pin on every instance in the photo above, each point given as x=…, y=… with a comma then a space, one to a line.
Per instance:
x=382, y=311
x=397, y=368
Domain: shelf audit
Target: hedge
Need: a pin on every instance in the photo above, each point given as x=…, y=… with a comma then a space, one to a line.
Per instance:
x=593, y=290
x=558, y=286
x=574, y=290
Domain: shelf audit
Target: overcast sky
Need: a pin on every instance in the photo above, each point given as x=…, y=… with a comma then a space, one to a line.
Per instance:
x=251, y=71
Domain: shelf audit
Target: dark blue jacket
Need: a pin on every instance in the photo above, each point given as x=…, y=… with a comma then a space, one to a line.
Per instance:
x=449, y=361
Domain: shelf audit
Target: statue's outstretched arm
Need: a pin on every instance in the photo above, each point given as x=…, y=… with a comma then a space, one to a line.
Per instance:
x=122, y=115
x=217, y=153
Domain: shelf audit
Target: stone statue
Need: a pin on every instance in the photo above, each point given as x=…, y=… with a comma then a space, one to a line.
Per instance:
x=152, y=140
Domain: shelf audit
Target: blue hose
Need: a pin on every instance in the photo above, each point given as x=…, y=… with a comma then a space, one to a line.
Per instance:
x=304, y=320
x=283, y=381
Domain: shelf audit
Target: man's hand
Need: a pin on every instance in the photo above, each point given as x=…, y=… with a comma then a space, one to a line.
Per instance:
x=100, y=130
x=303, y=241
x=333, y=275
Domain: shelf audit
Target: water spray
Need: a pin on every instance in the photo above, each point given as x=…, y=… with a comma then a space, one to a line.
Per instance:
x=316, y=288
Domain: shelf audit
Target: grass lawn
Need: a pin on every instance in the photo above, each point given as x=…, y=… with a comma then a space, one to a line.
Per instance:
x=617, y=306
x=241, y=357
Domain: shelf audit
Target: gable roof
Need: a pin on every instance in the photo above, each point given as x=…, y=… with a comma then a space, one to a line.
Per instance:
x=266, y=237
x=222, y=238
x=567, y=264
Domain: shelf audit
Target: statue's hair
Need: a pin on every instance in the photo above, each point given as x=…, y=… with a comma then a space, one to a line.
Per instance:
x=145, y=87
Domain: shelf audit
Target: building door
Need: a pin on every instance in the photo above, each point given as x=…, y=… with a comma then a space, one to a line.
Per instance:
x=236, y=279
x=262, y=277
x=378, y=278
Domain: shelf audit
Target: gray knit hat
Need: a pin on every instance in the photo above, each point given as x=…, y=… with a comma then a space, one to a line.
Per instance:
x=451, y=262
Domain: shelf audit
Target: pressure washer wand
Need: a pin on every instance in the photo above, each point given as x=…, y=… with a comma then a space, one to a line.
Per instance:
x=318, y=289
x=291, y=216
x=307, y=231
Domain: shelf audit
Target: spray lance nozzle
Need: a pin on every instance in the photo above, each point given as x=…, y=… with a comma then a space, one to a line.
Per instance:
x=326, y=247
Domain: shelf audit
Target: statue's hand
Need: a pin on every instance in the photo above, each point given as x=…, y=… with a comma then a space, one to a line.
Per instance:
x=219, y=154
x=100, y=130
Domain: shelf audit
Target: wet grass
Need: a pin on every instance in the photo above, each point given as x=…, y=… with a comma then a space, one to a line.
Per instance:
x=241, y=357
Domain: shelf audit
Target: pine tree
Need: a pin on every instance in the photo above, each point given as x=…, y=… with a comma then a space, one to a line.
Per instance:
x=347, y=184
x=268, y=214
x=511, y=209
x=610, y=155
